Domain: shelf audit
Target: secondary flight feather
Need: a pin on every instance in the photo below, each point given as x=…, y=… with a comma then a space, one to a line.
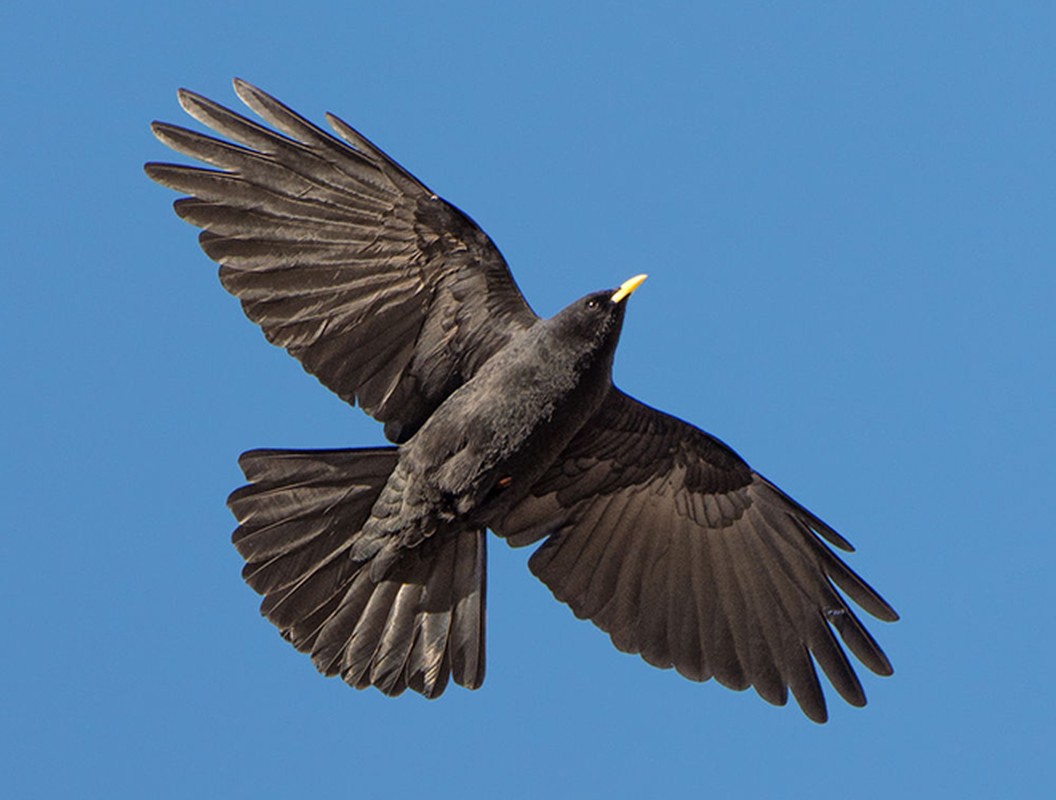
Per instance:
x=373, y=560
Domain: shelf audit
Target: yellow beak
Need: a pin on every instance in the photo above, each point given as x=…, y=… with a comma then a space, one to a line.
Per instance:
x=627, y=287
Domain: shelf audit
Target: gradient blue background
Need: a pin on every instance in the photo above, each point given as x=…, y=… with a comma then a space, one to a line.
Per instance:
x=846, y=211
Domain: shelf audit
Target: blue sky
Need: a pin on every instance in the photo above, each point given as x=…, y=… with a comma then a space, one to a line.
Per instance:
x=846, y=212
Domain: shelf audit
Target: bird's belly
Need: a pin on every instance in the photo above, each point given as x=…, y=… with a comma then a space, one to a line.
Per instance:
x=485, y=447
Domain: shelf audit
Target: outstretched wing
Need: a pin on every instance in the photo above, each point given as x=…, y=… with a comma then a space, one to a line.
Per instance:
x=389, y=295
x=663, y=537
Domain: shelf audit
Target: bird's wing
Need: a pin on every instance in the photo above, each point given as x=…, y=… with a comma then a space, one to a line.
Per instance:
x=389, y=295
x=663, y=537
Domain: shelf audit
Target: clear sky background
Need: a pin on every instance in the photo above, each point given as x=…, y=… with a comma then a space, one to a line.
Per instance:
x=847, y=215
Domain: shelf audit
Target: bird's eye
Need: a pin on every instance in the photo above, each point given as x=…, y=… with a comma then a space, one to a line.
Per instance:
x=592, y=303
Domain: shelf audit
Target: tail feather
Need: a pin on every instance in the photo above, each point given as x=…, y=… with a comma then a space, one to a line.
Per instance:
x=467, y=623
x=412, y=625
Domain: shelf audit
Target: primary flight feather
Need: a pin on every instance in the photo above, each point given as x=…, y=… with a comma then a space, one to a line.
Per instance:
x=373, y=560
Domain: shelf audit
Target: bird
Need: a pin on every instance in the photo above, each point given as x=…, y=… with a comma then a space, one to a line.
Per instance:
x=372, y=560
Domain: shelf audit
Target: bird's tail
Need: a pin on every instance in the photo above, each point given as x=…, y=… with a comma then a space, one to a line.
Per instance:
x=411, y=627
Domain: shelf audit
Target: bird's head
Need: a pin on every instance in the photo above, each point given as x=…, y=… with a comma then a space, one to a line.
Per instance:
x=594, y=321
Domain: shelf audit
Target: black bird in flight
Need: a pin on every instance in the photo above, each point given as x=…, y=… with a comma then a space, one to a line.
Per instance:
x=372, y=560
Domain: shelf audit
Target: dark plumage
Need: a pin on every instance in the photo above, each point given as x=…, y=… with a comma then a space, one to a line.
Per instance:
x=373, y=560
